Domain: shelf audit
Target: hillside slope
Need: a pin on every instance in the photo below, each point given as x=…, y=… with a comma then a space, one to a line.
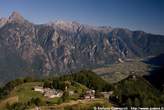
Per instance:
x=137, y=92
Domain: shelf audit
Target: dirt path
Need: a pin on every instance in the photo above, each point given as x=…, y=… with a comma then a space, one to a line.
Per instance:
x=71, y=103
x=9, y=100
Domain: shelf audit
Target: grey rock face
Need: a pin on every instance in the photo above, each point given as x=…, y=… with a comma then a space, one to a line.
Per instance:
x=66, y=46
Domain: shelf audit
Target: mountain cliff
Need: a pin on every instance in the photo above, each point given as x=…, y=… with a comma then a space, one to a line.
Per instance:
x=30, y=49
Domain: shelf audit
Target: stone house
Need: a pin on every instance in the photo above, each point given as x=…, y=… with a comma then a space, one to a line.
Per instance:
x=48, y=92
x=38, y=89
x=89, y=94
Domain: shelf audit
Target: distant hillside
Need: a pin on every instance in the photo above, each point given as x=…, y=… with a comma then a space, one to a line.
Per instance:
x=119, y=71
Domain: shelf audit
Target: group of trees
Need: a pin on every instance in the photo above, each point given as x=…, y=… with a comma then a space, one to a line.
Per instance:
x=56, y=83
x=85, y=77
x=137, y=92
x=89, y=79
x=16, y=106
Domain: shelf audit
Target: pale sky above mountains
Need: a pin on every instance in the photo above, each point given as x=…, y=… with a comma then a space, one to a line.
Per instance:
x=146, y=15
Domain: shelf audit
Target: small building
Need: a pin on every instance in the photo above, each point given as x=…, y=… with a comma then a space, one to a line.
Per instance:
x=38, y=89
x=90, y=94
x=120, y=60
x=134, y=77
x=71, y=92
x=48, y=92
x=90, y=91
x=52, y=93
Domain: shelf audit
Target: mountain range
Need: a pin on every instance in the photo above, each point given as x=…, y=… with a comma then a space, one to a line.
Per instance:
x=61, y=47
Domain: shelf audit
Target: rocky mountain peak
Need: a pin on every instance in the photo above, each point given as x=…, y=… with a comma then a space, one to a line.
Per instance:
x=16, y=16
x=65, y=25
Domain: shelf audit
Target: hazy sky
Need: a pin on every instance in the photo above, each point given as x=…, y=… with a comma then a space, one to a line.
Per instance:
x=147, y=15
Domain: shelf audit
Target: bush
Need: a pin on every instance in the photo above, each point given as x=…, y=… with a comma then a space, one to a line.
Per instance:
x=17, y=106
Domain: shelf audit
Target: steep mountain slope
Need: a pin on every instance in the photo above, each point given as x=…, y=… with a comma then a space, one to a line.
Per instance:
x=156, y=74
x=66, y=46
